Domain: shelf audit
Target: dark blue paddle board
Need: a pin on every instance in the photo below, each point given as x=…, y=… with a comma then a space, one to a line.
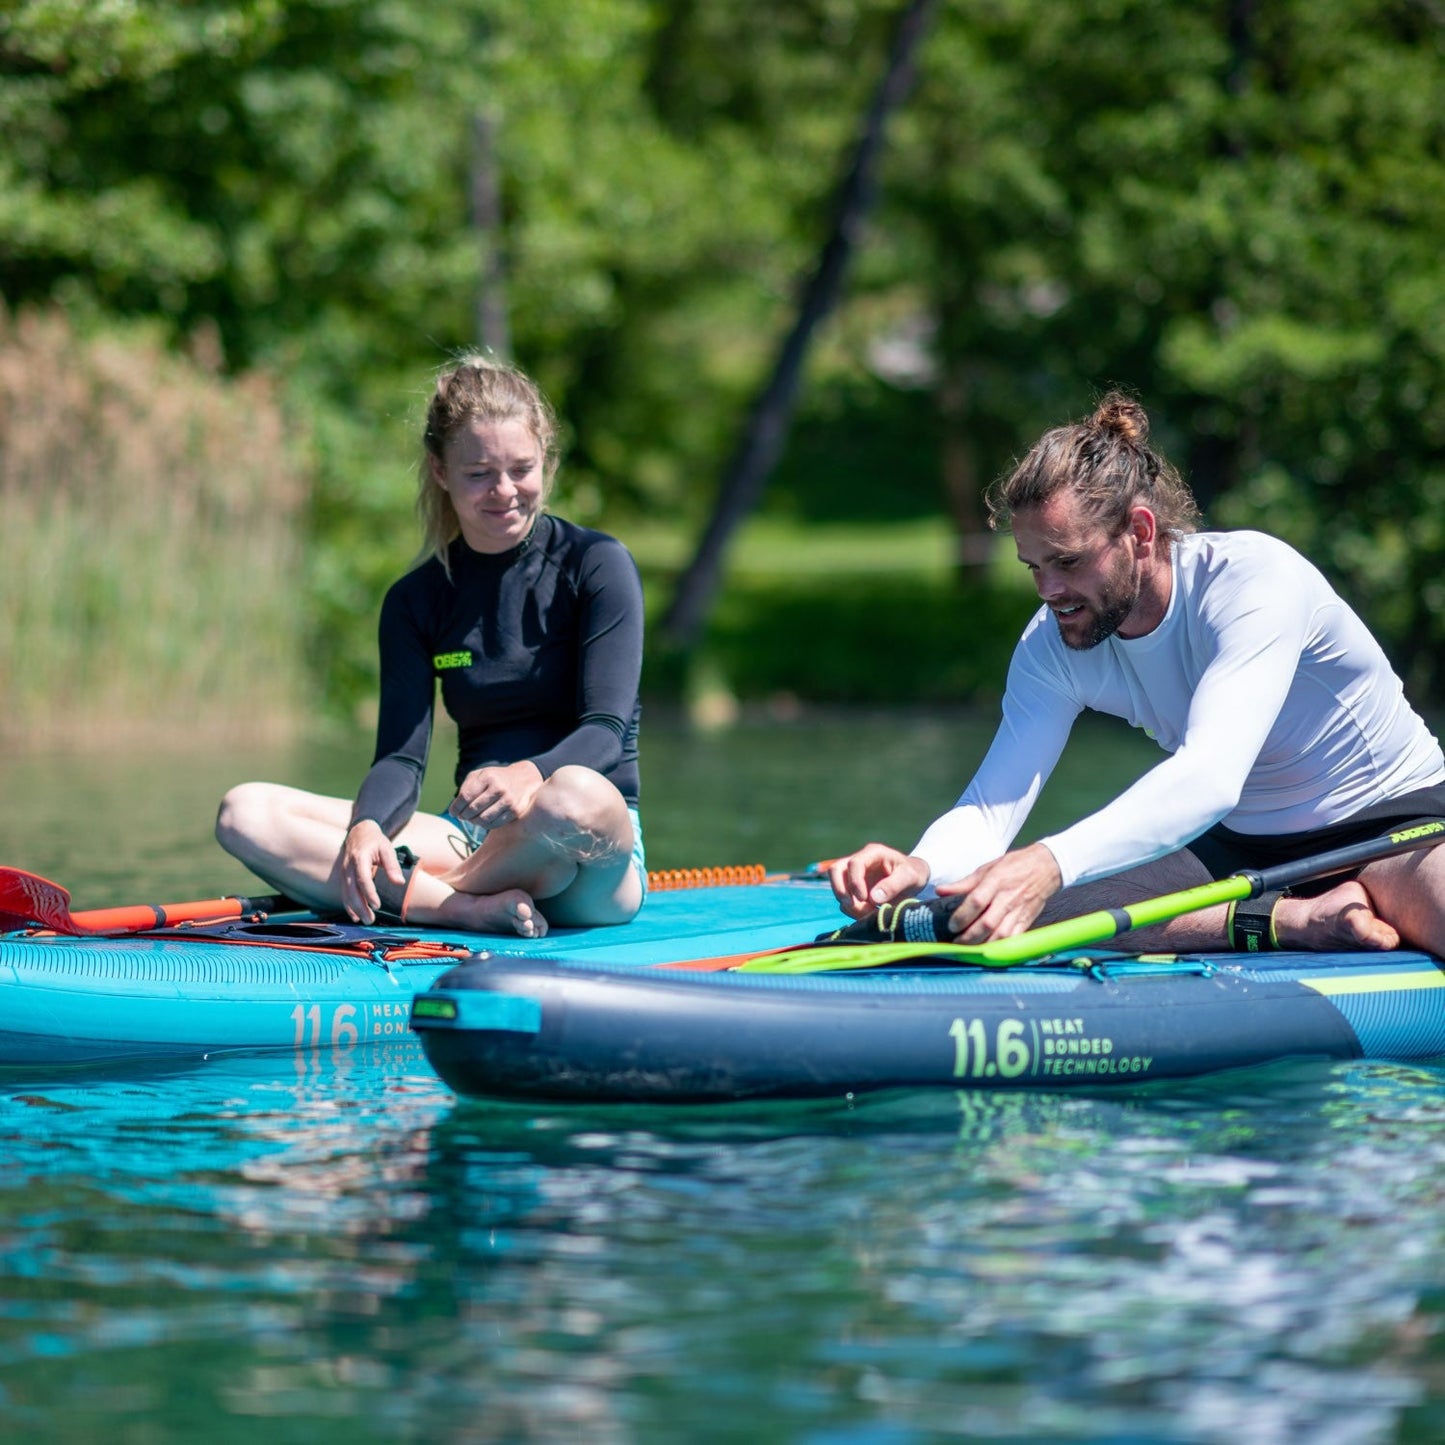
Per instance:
x=563, y=1029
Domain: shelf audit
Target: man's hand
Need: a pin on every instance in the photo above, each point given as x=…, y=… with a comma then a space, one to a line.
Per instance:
x=365, y=850
x=1003, y=897
x=874, y=875
x=491, y=797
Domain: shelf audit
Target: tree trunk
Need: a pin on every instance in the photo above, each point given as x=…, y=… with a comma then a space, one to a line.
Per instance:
x=973, y=545
x=492, y=329
x=767, y=425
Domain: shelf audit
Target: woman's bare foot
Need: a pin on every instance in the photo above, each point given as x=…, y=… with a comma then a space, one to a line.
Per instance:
x=433, y=901
x=511, y=911
x=1341, y=918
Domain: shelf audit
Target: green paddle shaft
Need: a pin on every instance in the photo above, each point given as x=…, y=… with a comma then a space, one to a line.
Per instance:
x=1105, y=923
x=1067, y=933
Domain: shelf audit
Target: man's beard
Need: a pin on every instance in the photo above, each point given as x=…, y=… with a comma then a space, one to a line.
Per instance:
x=1107, y=618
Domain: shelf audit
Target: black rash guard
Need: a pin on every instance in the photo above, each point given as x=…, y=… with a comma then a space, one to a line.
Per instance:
x=539, y=652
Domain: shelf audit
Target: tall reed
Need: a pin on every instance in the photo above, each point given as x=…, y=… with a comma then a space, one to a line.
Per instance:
x=151, y=582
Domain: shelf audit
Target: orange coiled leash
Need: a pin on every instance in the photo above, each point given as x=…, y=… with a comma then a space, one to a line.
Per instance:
x=728, y=875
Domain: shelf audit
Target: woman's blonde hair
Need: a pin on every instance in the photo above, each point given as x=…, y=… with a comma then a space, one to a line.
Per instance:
x=476, y=389
x=1107, y=462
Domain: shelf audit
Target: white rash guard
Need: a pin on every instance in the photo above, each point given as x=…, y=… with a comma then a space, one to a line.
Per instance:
x=1278, y=709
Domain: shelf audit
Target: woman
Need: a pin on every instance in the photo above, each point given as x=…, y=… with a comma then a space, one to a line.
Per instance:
x=534, y=628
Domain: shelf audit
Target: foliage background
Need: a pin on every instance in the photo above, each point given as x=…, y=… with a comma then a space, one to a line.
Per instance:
x=1231, y=208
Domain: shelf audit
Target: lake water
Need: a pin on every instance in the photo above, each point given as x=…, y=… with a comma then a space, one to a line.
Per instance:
x=338, y=1250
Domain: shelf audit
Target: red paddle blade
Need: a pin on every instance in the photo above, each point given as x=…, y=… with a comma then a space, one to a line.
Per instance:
x=26, y=900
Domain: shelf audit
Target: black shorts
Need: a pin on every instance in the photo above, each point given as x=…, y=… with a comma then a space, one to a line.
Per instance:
x=1223, y=851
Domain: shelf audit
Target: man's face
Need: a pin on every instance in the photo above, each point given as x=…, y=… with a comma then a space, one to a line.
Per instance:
x=1089, y=580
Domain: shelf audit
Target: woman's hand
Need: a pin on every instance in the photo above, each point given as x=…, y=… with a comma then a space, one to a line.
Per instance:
x=365, y=850
x=874, y=875
x=491, y=797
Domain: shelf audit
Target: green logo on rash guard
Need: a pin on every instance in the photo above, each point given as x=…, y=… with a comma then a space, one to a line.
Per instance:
x=444, y=661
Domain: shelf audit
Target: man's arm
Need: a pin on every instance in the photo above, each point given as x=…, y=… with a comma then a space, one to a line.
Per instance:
x=1039, y=708
x=1260, y=634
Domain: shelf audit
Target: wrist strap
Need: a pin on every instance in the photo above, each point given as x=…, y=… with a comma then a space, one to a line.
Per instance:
x=393, y=899
x=1250, y=923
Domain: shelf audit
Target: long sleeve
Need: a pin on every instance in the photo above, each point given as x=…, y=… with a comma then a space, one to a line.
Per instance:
x=1278, y=710
x=1039, y=708
x=1258, y=633
x=609, y=666
x=391, y=789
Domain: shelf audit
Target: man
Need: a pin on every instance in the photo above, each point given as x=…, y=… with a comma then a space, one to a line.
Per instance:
x=1287, y=731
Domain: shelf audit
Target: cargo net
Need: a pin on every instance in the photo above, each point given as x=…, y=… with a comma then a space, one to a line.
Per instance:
x=661, y=879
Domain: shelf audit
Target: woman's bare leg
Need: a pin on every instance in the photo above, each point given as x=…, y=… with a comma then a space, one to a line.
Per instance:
x=568, y=861
x=293, y=838
x=571, y=854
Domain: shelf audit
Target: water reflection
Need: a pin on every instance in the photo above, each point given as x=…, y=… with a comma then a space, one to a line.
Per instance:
x=1181, y=1278
x=333, y=1248
x=1259, y=1257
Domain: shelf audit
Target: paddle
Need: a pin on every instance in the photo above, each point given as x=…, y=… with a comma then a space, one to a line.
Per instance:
x=1097, y=927
x=27, y=900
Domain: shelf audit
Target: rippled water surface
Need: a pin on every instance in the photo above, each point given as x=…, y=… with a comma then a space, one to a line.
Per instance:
x=337, y=1249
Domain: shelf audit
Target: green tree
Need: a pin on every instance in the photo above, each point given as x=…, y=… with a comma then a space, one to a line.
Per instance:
x=763, y=436
x=1231, y=209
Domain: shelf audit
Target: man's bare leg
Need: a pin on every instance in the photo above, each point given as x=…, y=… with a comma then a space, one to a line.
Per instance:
x=1343, y=918
x=1409, y=891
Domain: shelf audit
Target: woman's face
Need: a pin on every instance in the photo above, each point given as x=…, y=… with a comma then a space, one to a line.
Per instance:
x=493, y=472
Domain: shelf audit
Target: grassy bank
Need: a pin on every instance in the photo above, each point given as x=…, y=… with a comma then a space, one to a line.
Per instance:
x=151, y=519
x=185, y=567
